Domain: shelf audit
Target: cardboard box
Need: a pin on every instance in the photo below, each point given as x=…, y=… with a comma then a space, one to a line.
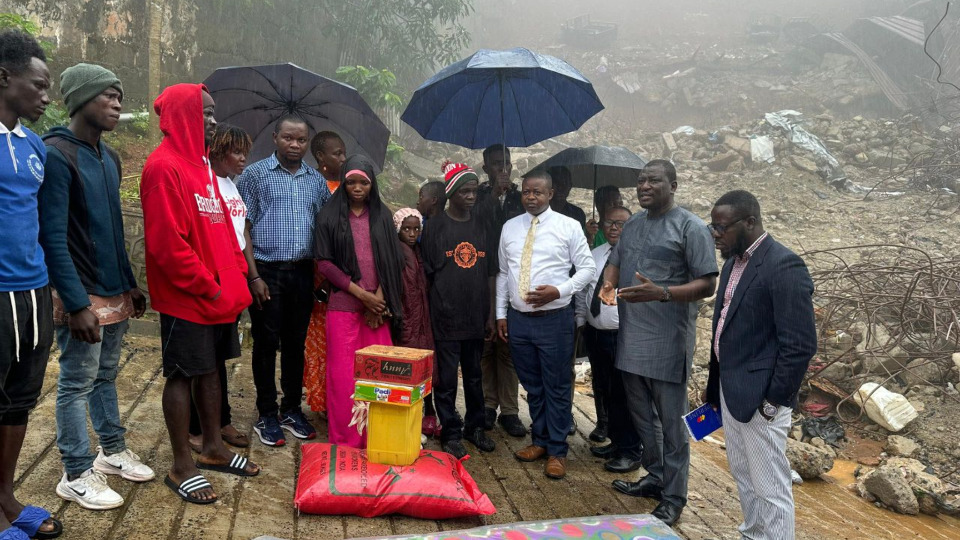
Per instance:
x=398, y=365
x=396, y=394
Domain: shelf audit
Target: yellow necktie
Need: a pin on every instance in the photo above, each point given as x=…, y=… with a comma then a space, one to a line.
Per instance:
x=526, y=258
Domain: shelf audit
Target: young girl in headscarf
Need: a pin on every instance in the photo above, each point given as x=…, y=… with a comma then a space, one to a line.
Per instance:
x=416, y=314
x=328, y=149
x=357, y=251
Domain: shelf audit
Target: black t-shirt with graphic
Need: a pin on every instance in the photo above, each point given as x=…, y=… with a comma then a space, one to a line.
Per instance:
x=459, y=258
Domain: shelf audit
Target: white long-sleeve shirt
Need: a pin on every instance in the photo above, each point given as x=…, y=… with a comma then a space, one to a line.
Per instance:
x=609, y=318
x=559, y=243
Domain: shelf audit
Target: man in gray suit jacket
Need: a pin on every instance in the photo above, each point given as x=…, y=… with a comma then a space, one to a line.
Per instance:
x=663, y=264
x=763, y=338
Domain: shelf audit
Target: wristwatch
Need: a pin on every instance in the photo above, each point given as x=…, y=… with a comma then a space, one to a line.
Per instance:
x=666, y=294
x=768, y=410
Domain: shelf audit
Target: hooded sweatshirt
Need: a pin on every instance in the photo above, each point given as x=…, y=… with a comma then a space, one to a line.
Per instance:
x=195, y=269
x=81, y=221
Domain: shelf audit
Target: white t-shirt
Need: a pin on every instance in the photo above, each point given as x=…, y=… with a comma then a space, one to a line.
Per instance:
x=238, y=210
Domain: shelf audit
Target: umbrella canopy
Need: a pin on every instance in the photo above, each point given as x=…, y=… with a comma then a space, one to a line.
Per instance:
x=255, y=97
x=595, y=166
x=514, y=97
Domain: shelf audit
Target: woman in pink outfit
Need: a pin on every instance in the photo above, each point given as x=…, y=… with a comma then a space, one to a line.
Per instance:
x=357, y=251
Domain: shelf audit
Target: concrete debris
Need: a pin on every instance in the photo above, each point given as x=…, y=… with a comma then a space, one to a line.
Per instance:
x=808, y=460
x=904, y=485
x=901, y=446
x=890, y=488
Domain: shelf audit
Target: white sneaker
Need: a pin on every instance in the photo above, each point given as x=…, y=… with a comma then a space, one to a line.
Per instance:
x=126, y=464
x=90, y=491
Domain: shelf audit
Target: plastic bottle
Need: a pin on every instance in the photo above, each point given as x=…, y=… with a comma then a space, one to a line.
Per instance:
x=889, y=409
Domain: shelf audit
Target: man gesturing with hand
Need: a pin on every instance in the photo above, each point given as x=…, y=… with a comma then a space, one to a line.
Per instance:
x=663, y=264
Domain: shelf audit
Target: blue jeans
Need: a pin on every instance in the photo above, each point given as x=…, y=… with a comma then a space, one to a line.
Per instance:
x=542, y=352
x=88, y=373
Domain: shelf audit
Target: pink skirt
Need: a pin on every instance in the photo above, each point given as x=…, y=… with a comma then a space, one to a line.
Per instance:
x=346, y=333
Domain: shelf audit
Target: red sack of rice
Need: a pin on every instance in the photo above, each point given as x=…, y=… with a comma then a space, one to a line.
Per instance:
x=339, y=480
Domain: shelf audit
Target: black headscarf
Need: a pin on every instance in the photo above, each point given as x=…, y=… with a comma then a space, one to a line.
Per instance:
x=334, y=239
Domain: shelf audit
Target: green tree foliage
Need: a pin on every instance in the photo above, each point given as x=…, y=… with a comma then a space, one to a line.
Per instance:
x=414, y=37
x=56, y=114
x=376, y=86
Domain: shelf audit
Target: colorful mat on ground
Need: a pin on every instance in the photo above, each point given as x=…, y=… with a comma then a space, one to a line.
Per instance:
x=630, y=527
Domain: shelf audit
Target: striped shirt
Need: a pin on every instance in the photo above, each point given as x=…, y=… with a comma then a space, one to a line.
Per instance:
x=282, y=208
x=736, y=272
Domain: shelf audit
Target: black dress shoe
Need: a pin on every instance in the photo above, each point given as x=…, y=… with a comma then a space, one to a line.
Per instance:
x=489, y=418
x=512, y=425
x=621, y=464
x=599, y=433
x=667, y=512
x=606, y=452
x=642, y=488
x=573, y=429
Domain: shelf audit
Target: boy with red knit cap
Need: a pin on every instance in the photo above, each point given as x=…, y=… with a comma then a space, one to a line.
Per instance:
x=197, y=277
x=459, y=257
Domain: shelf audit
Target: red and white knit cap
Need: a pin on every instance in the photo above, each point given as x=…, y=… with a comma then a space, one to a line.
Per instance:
x=455, y=175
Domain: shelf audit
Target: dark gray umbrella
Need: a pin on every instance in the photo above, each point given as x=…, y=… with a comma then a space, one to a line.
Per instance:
x=255, y=97
x=595, y=166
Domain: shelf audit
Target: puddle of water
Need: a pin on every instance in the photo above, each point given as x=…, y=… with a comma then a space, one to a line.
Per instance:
x=841, y=476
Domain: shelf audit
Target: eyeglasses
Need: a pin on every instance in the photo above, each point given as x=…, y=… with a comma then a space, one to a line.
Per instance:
x=610, y=223
x=720, y=229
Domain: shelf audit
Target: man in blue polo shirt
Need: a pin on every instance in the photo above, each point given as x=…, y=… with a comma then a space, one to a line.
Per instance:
x=283, y=195
x=26, y=309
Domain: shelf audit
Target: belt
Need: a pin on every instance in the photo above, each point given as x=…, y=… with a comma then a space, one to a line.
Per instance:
x=540, y=313
x=285, y=265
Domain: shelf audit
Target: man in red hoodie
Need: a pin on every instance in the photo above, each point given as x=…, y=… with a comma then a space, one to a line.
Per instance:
x=197, y=278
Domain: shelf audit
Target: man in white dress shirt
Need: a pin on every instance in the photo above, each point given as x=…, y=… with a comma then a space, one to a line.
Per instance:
x=600, y=324
x=534, y=293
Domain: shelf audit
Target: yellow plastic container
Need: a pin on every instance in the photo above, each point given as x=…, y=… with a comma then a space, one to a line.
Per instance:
x=393, y=433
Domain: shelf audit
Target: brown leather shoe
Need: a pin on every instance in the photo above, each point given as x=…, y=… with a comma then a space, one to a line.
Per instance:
x=530, y=453
x=556, y=467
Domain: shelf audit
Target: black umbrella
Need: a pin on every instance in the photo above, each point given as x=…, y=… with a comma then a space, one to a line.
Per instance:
x=255, y=97
x=595, y=166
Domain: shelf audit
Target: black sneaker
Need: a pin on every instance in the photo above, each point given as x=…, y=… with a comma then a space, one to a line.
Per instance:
x=512, y=425
x=489, y=418
x=479, y=439
x=455, y=448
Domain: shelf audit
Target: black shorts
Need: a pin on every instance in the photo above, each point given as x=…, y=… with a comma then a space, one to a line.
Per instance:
x=191, y=349
x=21, y=371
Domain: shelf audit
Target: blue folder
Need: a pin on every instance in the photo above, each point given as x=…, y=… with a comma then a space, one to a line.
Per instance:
x=702, y=421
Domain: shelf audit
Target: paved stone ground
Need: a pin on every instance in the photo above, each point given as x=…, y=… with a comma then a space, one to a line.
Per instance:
x=264, y=504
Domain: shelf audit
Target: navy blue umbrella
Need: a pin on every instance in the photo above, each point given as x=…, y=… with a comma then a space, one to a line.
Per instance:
x=255, y=97
x=515, y=97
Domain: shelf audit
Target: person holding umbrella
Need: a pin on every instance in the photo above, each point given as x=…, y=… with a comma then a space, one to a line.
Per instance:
x=562, y=184
x=497, y=201
x=283, y=196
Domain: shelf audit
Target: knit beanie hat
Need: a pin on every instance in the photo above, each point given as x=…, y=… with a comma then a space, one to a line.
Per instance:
x=403, y=214
x=456, y=175
x=83, y=82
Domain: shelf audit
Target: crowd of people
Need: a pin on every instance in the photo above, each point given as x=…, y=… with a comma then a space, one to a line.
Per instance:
x=498, y=279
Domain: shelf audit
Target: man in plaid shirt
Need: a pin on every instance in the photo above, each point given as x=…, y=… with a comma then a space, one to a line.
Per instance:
x=283, y=195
